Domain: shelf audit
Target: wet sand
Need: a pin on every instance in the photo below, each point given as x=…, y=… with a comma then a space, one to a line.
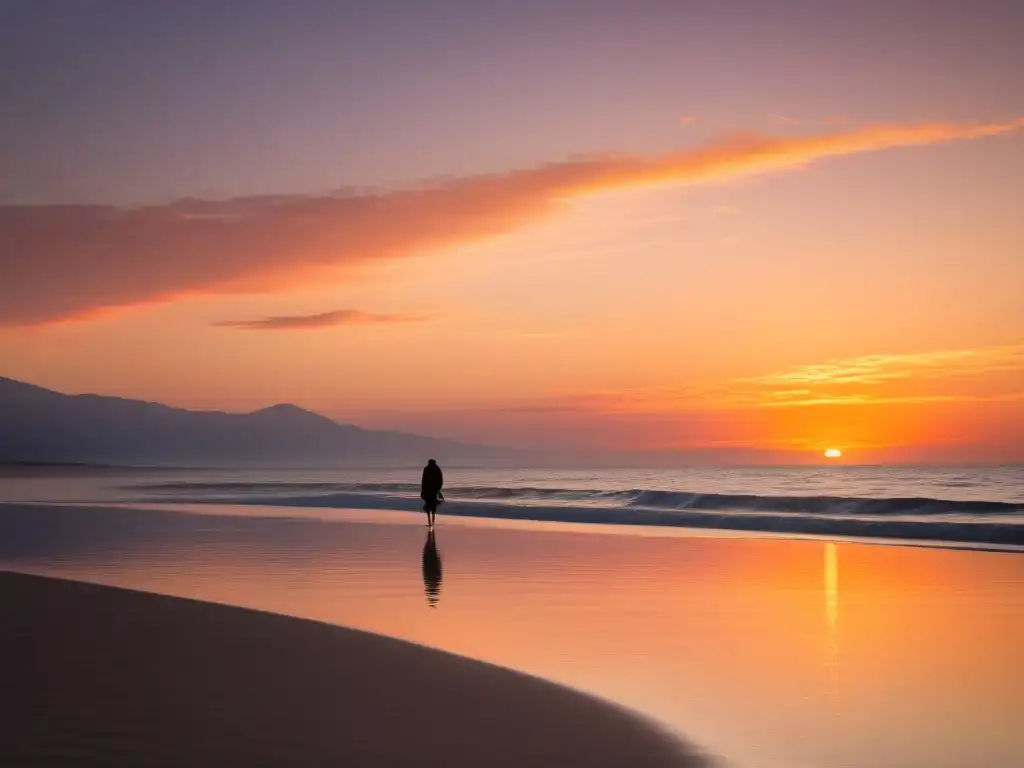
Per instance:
x=97, y=676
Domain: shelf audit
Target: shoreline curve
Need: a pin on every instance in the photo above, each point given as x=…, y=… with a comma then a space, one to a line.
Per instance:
x=103, y=676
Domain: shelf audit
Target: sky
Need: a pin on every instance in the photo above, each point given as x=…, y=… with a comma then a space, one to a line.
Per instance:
x=735, y=232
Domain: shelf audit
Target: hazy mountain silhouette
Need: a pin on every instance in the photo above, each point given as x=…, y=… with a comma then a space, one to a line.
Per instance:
x=38, y=424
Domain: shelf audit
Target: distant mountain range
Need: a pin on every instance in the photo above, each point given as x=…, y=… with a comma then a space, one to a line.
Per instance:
x=40, y=425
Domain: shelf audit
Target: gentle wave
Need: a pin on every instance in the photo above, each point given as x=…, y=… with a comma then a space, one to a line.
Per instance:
x=969, y=522
x=634, y=498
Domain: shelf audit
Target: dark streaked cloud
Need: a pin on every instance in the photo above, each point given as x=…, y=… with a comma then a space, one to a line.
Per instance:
x=60, y=262
x=319, y=320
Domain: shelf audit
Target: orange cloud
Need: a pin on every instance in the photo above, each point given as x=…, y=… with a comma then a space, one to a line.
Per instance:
x=947, y=405
x=993, y=374
x=923, y=377
x=320, y=320
x=68, y=261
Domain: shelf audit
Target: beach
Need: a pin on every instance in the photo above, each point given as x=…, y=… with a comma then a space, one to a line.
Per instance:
x=104, y=676
x=757, y=651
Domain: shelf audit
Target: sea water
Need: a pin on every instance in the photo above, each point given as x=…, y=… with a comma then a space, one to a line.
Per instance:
x=947, y=505
x=818, y=651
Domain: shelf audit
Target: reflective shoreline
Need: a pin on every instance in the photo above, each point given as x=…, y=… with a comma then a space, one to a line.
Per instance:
x=763, y=651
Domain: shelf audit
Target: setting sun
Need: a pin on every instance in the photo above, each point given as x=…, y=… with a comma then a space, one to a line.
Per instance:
x=833, y=453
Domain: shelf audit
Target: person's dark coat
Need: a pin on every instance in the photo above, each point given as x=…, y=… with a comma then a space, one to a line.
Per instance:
x=433, y=481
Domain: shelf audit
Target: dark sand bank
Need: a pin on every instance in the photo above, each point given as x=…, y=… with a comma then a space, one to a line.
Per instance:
x=97, y=676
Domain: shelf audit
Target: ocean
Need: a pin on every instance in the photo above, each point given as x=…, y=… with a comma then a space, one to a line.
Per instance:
x=804, y=640
x=977, y=506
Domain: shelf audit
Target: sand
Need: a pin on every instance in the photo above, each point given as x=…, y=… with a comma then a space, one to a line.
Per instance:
x=98, y=676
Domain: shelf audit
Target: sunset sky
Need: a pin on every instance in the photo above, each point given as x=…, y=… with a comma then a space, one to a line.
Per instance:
x=743, y=230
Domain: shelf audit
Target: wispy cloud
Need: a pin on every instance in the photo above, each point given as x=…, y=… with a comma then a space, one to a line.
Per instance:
x=932, y=377
x=868, y=380
x=548, y=408
x=874, y=399
x=317, y=321
x=61, y=262
x=875, y=369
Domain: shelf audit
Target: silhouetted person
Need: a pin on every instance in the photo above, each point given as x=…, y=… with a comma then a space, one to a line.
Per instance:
x=430, y=490
x=431, y=570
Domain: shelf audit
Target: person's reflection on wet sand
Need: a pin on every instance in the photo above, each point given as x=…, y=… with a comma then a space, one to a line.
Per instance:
x=431, y=570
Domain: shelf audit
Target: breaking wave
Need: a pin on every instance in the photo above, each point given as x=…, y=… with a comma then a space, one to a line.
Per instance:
x=912, y=518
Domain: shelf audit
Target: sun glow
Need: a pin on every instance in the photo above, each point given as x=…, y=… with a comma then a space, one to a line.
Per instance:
x=833, y=453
